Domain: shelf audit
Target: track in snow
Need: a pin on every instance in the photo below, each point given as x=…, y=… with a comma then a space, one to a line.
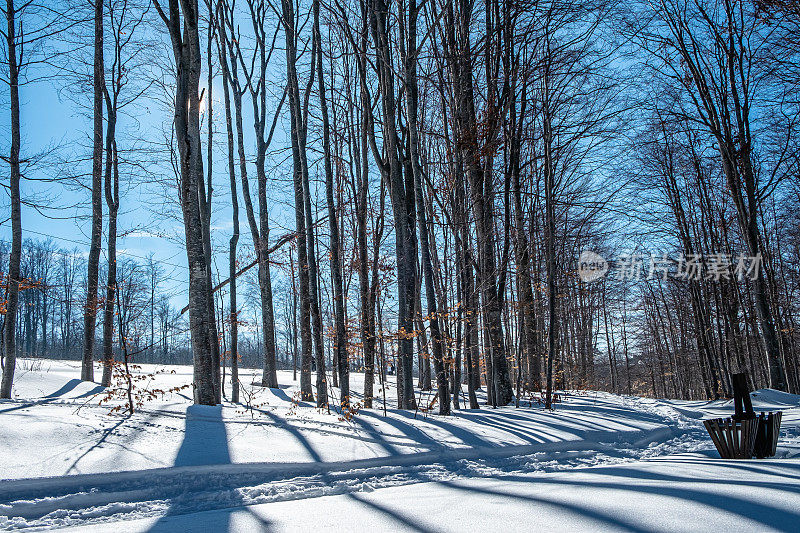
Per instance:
x=93, y=498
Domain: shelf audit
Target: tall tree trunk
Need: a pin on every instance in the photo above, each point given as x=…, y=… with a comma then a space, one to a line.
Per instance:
x=550, y=230
x=205, y=191
x=186, y=49
x=367, y=298
x=532, y=361
x=369, y=283
x=339, y=339
x=482, y=195
x=302, y=251
x=9, y=325
x=259, y=227
x=427, y=268
x=313, y=281
x=401, y=191
x=90, y=308
x=313, y=276
x=112, y=201
x=259, y=97
x=234, y=309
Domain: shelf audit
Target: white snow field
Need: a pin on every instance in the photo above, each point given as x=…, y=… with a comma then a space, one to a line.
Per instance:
x=598, y=462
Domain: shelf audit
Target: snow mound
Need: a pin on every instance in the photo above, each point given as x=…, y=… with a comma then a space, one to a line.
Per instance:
x=771, y=399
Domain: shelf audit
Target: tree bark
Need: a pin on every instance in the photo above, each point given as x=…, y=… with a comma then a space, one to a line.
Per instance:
x=234, y=240
x=10, y=323
x=401, y=193
x=186, y=49
x=112, y=201
x=550, y=230
x=302, y=251
x=532, y=363
x=90, y=307
x=481, y=192
x=339, y=339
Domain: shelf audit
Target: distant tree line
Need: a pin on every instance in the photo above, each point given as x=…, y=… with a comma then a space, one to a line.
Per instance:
x=49, y=322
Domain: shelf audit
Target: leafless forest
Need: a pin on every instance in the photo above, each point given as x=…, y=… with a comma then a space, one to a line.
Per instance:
x=415, y=182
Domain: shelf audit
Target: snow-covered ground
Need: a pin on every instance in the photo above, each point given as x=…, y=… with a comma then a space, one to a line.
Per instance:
x=598, y=462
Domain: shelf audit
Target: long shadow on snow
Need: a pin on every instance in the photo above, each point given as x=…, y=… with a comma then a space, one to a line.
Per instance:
x=466, y=436
x=531, y=436
x=712, y=457
x=397, y=517
x=205, y=442
x=379, y=438
x=582, y=429
x=281, y=394
x=605, y=518
x=499, y=420
x=299, y=437
x=770, y=516
x=53, y=396
x=394, y=515
x=613, y=413
x=105, y=434
x=68, y=386
x=406, y=430
x=406, y=521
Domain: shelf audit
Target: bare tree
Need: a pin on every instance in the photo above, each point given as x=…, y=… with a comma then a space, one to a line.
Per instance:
x=9, y=333
x=181, y=20
x=91, y=306
x=298, y=153
x=233, y=314
x=125, y=20
x=29, y=28
x=339, y=341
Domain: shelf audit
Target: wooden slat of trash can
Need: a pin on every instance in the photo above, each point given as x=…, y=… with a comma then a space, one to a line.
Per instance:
x=733, y=439
x=710, y=427
x=776, y=429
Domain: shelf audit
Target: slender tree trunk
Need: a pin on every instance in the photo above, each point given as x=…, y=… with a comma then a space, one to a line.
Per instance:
x=339, y=339
x=402, y=196
x=313, y=282
x=205, y=192
x=482, y=196
x=9, y=325
x=550, y=249
x=408, y=51
x=294, y=316
x=112, y=201
x=259, y=227
x=366, y=293
x=302, y=251
x=90, y=308
x=369, y=283
x=522, y=255
x=234, y=309
x=427, y=267
x=259, y=97
x=313, y=276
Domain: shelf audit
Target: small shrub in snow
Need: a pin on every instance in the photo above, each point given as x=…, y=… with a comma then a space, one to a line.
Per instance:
x=133, y=388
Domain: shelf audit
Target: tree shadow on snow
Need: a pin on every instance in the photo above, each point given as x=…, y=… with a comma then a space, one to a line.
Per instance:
x=678, y=487
x=205, y=442
x=407, y=522
x=55, y=395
